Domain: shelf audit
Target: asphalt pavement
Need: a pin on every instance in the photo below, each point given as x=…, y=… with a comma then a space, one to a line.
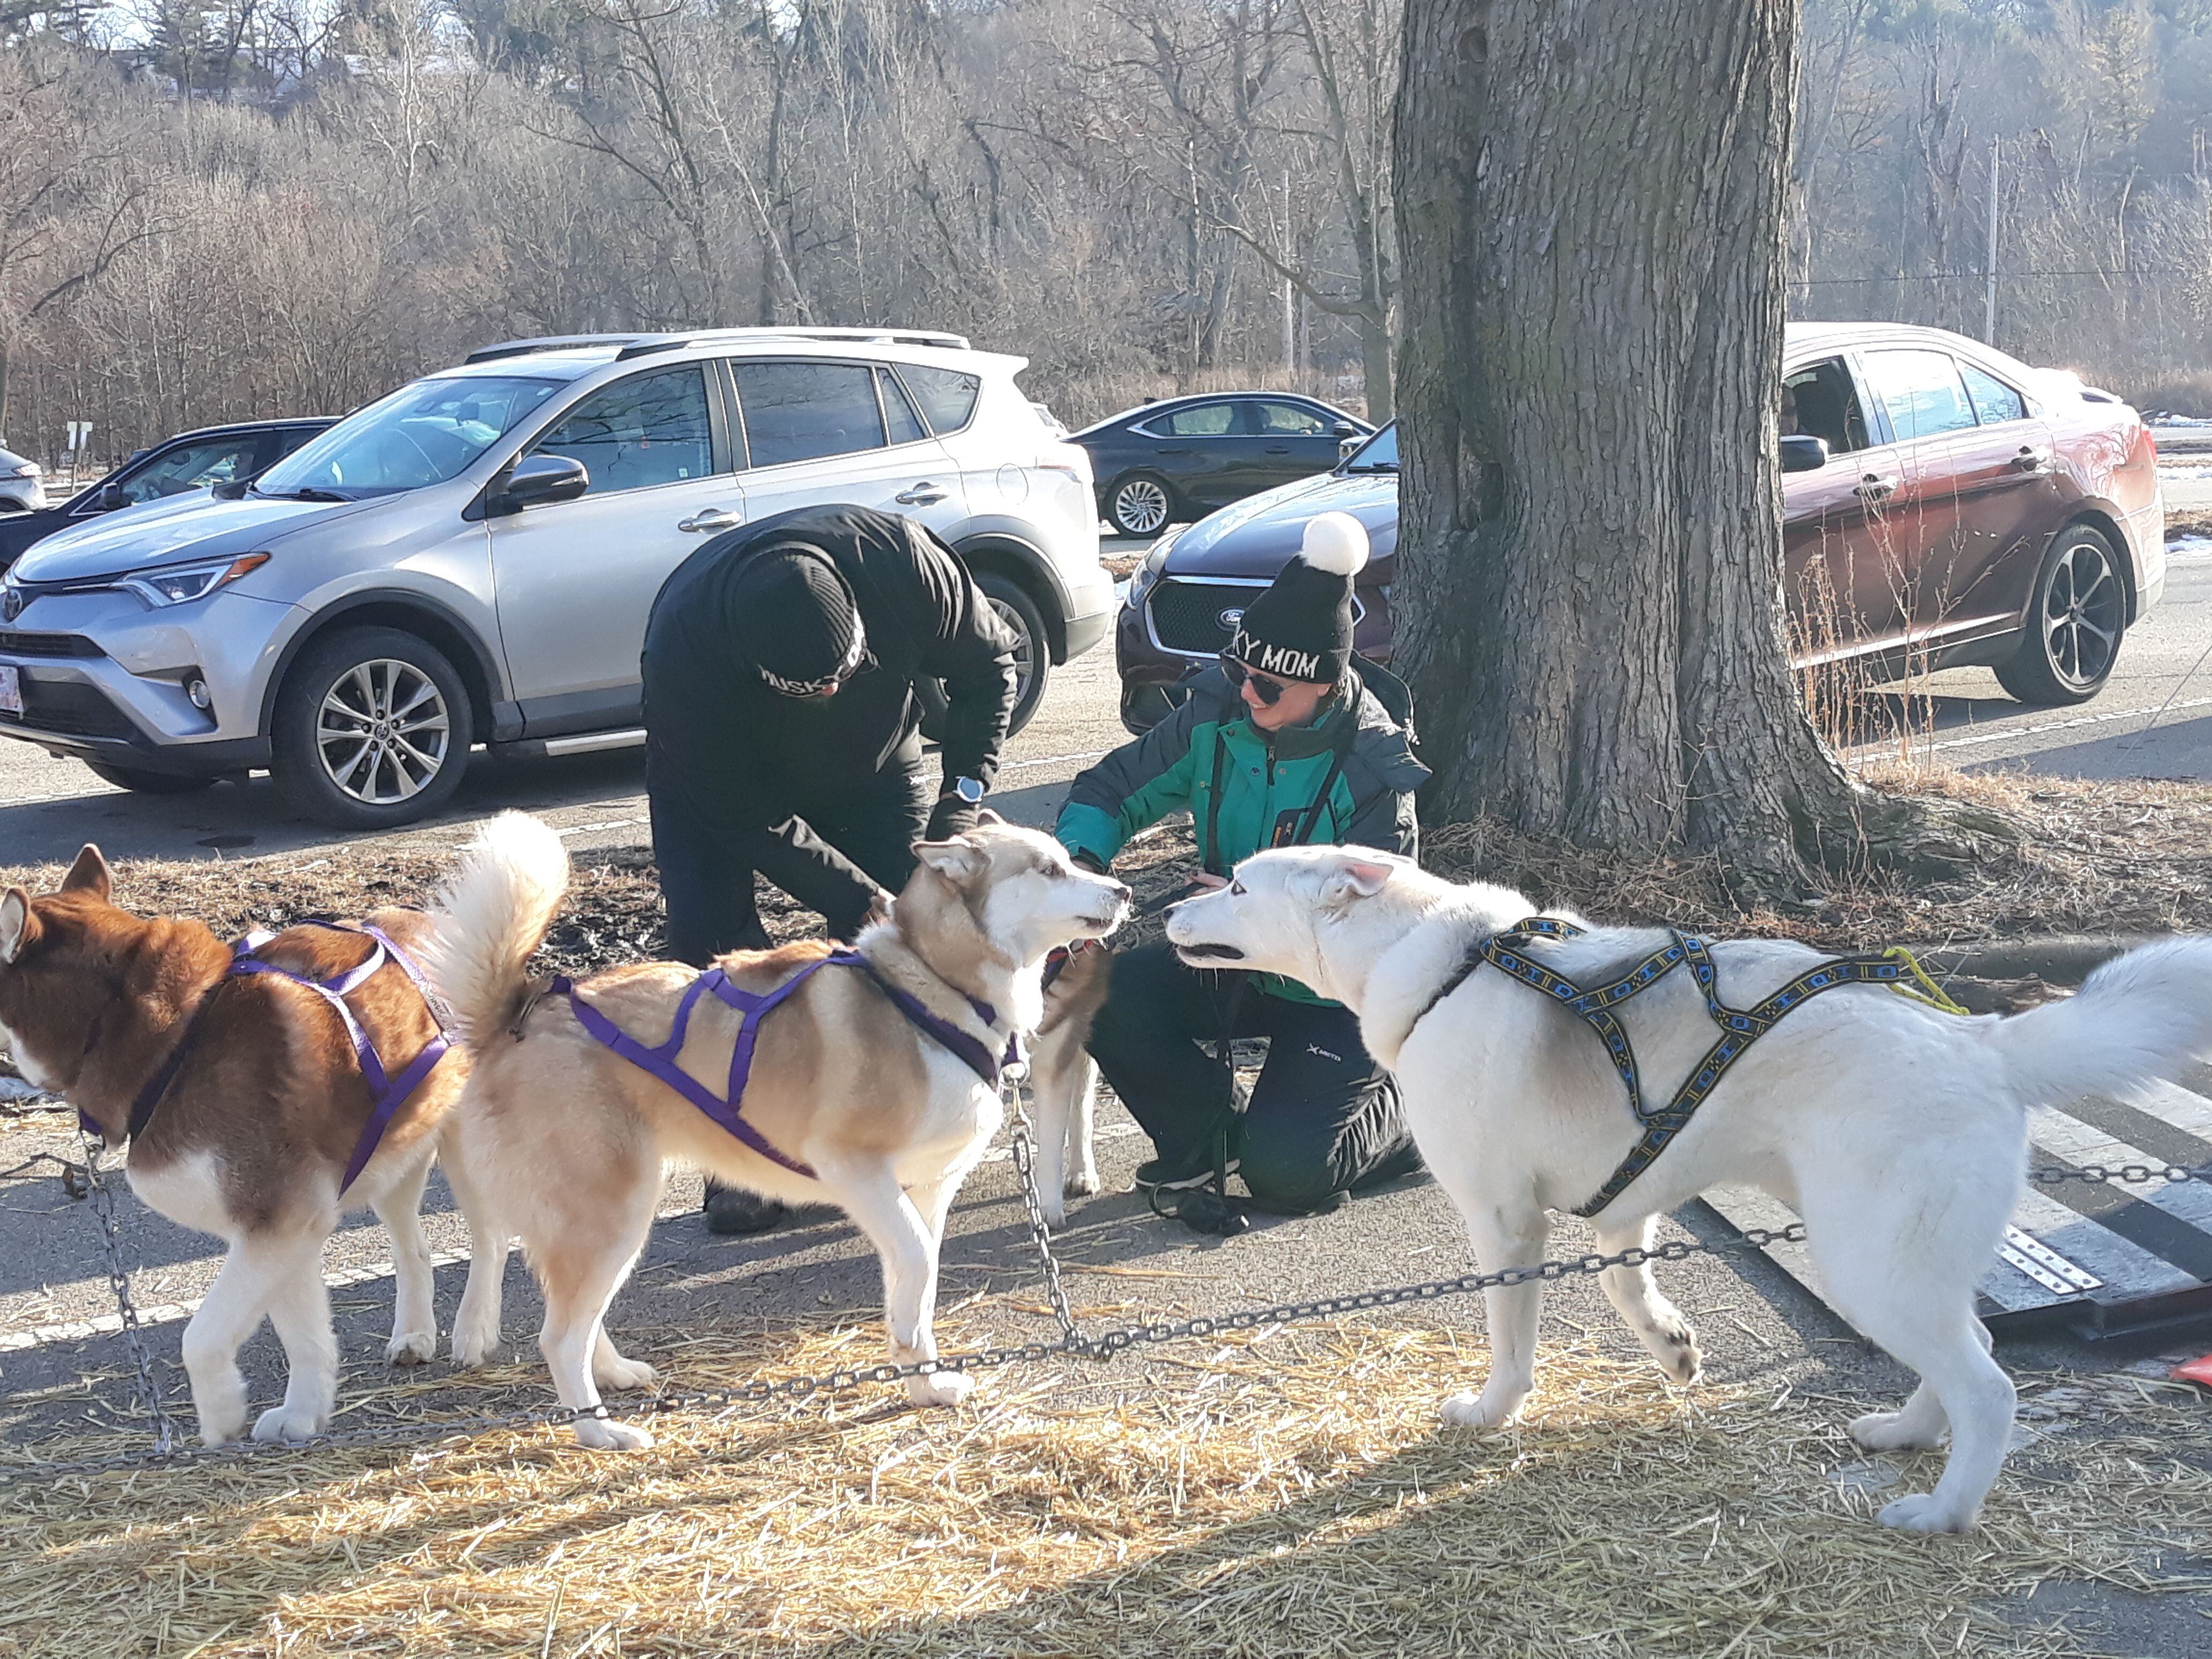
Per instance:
x=59, y=1353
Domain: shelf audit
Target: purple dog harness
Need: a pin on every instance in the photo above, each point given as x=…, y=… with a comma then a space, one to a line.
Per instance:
x=726, y=1109
x=389, y=1093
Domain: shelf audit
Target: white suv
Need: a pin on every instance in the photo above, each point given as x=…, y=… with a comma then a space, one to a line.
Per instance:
x=470, y=559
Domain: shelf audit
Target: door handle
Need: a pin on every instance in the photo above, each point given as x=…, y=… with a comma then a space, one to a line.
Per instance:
x=2032, y=459
x=924, y=494
x=1874, y=487
x=712, y=518
x=1278, y=449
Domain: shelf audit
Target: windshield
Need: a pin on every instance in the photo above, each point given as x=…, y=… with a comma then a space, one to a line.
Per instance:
x=1378, y=454
x=423, y=434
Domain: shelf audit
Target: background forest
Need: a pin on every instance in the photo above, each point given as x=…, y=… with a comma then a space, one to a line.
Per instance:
x=266, y=207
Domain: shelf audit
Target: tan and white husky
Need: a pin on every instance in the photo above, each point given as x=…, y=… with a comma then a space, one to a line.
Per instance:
x=568, y=1140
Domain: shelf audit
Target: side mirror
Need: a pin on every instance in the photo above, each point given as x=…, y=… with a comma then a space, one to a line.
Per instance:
x=1800, y=453
x=1345, y=445
x=111, y=496
x=229, y=489
x=539, y=481
x=1343, y=429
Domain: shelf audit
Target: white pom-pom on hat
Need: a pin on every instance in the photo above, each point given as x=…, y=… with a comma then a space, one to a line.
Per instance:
x=1335, y=542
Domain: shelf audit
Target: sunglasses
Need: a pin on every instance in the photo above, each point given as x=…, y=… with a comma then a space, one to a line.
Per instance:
x=1267, y=689
x=857, y=661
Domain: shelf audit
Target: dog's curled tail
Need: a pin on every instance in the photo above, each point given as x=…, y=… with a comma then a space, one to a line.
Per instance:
x=2139, y=1018
x=490, y=916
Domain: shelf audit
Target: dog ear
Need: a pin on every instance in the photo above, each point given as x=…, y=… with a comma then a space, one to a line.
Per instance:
x=985, y=815
x=90, y=873
x=1355, y=878
x=959, y=860
x=18, y=923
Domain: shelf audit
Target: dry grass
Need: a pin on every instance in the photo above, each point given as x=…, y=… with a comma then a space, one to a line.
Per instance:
x=1285, y=1493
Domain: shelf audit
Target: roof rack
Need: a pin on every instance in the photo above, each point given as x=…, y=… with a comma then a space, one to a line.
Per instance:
x=626, y=346
x=550, y=342
x=652, y=342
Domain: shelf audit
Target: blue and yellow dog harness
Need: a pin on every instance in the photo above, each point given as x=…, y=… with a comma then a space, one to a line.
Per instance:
x=1740, y=1028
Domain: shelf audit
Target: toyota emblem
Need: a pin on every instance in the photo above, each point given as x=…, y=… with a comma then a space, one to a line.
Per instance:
x=1229, y=618
x=11, y=603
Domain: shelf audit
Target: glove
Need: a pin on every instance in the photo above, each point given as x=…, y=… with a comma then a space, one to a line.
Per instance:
x=951, y=816
x=1090, y=861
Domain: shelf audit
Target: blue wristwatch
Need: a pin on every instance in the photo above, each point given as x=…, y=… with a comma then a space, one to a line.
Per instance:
x=969, y=789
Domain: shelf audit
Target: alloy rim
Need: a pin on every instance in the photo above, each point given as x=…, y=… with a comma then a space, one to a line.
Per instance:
x=1025, y=648
x=1140, y=507
x=2081, y=615
x=383, y=732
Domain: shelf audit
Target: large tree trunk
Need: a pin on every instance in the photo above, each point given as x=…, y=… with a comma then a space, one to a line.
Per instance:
x=1590, y=218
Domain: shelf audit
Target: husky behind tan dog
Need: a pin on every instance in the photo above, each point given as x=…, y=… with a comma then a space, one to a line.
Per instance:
x=569, y=1139
x=256, y=1103
x=1064, y=1080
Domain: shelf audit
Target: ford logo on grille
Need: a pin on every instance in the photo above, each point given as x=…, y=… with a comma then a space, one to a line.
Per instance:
x=11, y=603
x=1230, y=617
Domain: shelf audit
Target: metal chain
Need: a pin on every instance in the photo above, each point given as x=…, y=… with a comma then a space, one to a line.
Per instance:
x=1072, y=1344
x=1025, y=1155
x=103, y=1208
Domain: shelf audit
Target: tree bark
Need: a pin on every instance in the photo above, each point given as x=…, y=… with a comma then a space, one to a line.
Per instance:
x=1591, y=203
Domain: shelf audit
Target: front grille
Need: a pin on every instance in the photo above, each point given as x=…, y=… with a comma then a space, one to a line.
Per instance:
x=69, y=708
x=16, y=643
x=1186, y=614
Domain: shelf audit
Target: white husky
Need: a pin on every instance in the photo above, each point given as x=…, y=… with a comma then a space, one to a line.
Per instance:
x=1896, y=1130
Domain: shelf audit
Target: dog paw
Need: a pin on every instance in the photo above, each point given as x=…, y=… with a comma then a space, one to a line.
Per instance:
x=411, y=1347
x=1081, y=1183
x=1054, y=1210
x=1922, y=1512
x=941, y=1388
x=287, y=1423
x=621, y=1373
x=1676, y=1348
x=1468, y=1410
x=605, y=1434
x=220, y=1430
x=1890, y=1431
x=475, y=1348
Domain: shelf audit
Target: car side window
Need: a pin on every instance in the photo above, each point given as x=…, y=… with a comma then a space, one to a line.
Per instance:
x=1287, y=421
x=947, y=396
x=1202, y=421
x=801, y=411
x=1822, y=401
x=191, y=467
x=898, y=413
x=649, y=429
x=1921, y=392
x=1995, y=403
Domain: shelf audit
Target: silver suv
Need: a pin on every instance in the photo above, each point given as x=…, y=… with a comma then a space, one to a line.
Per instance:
x=470, y=559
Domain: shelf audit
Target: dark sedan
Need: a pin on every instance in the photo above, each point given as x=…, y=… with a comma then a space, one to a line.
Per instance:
x=1182, y=457
x=1943, y=504
x=191, y=460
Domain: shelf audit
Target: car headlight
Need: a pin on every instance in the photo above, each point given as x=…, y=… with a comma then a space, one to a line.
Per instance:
x=182, y=584
x=1155, y=562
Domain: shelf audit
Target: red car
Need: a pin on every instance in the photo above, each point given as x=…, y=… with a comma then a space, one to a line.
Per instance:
x=1943, y=504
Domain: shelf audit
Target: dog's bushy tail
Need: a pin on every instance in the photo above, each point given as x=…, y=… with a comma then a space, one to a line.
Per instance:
x=491, y=913
x=2140, y=1016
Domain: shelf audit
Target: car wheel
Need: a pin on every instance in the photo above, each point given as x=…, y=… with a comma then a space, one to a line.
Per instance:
x=2075, y=619
x=1140, y=504
x=372, y=730
x=147, y=783
x=1032, y=648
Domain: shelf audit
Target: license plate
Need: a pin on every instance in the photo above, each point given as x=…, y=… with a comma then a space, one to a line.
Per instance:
x=11, y=690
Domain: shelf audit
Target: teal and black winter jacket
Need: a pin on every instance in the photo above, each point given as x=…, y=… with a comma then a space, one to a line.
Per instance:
x=1349, y=777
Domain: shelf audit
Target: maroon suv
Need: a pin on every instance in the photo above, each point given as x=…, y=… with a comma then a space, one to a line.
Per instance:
x=1943, y=504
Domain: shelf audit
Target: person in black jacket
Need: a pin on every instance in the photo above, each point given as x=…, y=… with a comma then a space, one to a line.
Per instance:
x=783, y=733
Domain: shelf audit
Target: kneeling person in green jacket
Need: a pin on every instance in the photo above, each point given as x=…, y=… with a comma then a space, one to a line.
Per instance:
x=1284, y=744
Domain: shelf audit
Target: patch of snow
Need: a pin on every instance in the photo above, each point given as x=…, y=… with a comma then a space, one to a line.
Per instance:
x=2190, y=547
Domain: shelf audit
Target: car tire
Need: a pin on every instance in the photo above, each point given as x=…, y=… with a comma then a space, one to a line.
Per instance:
x=1033, y=651
x=2077, y=615
x=340, y=756
x=147, y=783
x=1141, y=504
